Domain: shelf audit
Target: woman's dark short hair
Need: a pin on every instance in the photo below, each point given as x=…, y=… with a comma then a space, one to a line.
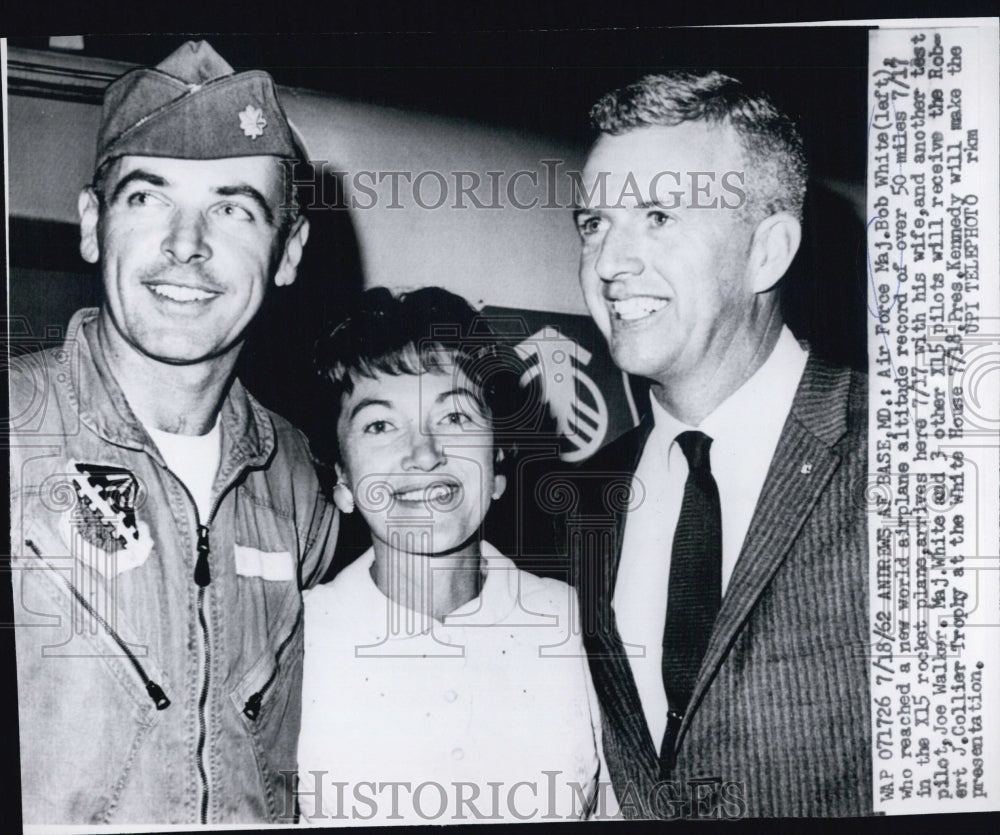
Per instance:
x=430, y=329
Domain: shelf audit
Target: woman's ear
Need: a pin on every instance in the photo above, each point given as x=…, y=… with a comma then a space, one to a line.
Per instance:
x=499, y=481
x=343, y=498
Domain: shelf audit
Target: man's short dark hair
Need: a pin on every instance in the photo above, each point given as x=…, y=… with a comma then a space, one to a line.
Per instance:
x=772, y=145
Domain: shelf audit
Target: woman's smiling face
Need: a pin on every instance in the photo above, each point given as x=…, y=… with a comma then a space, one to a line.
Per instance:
x=417, y=452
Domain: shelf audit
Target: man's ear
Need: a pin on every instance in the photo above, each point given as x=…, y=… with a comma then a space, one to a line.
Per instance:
x=775, y=242
x=289, y=265
x=89, y=208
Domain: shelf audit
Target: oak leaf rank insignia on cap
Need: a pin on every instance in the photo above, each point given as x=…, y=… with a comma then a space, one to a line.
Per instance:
x=184, y=108
x=252, y=121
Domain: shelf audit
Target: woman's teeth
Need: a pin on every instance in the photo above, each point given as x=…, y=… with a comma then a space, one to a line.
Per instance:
x=439, y=492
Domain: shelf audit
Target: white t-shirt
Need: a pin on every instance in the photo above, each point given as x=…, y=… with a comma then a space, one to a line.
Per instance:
x=488, y=715
x=194, y=459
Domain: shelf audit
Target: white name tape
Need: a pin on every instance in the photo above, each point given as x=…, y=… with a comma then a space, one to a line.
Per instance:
x=268, y=565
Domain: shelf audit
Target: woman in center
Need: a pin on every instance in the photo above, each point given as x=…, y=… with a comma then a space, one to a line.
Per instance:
x=442, y=684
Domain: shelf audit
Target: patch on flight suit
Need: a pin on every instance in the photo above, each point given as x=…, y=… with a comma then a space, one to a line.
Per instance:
x=105, y=517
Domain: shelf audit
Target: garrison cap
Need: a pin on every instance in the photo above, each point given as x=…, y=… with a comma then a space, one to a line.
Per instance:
x=192, y=105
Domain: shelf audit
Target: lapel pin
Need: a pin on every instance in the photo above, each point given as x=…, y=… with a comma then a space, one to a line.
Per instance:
x=806, y=469
x=252, y=121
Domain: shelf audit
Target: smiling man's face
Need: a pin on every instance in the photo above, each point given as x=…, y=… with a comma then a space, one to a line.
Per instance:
x=666, y=282
x=187, y=248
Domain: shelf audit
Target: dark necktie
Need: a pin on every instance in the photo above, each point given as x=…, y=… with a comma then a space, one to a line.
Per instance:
x=695, y=590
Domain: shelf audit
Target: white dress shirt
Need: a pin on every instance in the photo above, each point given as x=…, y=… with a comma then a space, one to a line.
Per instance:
x=493, y=703
x=745, y=429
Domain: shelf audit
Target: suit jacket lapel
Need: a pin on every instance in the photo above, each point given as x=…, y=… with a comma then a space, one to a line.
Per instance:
x=616, y=685
x=621, y=456
x=803, y=464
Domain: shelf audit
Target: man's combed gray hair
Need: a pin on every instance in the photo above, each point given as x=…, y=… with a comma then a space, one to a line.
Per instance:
x=772, y=145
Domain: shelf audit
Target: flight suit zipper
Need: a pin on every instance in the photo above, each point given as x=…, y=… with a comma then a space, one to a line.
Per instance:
x=202, y=578
x=253, y=704
x=152, y=688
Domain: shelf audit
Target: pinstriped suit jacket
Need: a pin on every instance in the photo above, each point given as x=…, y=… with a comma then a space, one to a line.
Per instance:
x=781, y=704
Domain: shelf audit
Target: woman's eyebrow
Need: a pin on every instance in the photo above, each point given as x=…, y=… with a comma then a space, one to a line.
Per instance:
x=368, y=401
x=458, y=392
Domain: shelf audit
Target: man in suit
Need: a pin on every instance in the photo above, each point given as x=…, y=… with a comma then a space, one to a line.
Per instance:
x=724, y=586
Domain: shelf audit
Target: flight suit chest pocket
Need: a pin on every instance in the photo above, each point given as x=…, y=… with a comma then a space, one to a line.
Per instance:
x=266, y=564
x=268, y=700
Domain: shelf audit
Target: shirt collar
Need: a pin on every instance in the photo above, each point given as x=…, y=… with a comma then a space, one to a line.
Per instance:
x=751, y=405
x=496, y=599
x=247, y=430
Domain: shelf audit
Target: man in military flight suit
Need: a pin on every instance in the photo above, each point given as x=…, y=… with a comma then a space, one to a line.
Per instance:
x=163, y=521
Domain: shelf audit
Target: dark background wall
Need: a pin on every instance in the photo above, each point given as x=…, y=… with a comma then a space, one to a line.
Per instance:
x=443, y=101
x=510, y=89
